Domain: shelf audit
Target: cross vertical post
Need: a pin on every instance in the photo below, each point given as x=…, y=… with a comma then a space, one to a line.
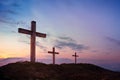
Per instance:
x=33, y=41
x=53, y=52
x=53, y=55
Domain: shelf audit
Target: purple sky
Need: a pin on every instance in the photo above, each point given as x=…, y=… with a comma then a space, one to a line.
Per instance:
x=88, y=27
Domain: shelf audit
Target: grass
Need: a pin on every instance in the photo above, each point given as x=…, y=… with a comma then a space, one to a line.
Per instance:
x=41, y=71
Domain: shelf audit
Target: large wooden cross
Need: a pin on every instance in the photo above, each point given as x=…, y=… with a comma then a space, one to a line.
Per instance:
x=75, y=57
x=53, y=52
x=33, y=34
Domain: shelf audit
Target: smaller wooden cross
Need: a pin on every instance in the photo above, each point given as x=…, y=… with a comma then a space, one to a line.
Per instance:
x=75, y=57
x=53, y=52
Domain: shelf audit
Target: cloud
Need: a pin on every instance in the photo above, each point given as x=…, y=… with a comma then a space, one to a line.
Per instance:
x=95, y=51
x=66, y=39
x=108, y=64
x=38, y=44
x=8, y=21
x=44, y=60
x=13, y=31
x=11, y=60
x=8, y=11
x=26, y=42
x=13, y=3
x=103, y=63
x=115, y=41
x=64, y=60
x=8, y=8
x=69, y=42
x=59, y=42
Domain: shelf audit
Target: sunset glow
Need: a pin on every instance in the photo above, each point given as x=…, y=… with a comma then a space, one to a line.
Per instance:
x=89, y=27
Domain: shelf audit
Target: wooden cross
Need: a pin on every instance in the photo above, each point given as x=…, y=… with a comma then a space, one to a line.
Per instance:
x=33, y=34
x=75, y=57
x=53, y=52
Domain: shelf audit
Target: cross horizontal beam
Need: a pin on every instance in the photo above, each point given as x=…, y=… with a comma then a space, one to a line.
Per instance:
x=20, y=30
x=41, y=35
x=52, y=52
x=75, y=55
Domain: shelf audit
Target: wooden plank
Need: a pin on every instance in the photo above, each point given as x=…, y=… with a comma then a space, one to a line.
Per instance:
x=50, y=52
x=75, y=55
x=33, y=41
x=53, y=52
x=20, y=30
x=56, y=53
x=40, y=35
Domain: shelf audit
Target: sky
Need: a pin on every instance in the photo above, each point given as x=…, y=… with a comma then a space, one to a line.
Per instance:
x=88, y=27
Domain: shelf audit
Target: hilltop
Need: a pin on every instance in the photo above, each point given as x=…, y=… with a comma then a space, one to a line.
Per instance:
x=41, y=71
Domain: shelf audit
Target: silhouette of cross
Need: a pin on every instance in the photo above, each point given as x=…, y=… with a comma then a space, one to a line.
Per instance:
x=33, y=34
x=53, y=52
x=75, y=57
